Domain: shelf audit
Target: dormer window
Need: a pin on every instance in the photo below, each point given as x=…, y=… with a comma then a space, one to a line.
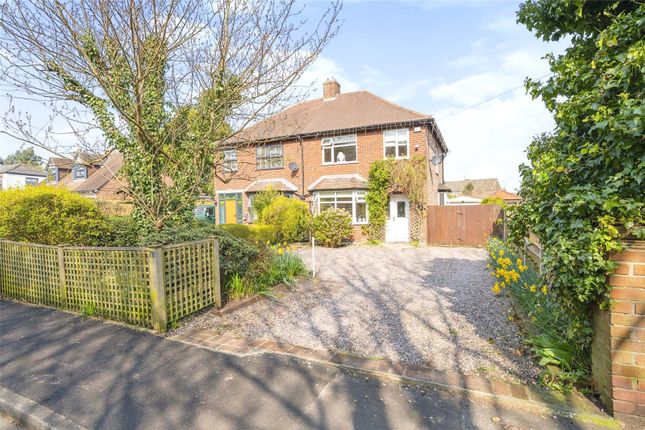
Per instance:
x=52, y=174
x=79, y=172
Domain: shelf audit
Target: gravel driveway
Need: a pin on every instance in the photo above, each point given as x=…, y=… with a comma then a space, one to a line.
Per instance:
x=426, y=306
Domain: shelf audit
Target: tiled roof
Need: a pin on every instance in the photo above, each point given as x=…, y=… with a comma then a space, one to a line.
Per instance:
x=347, y=111
x=505, y=195
x=60, y=162
x=276, y=184
x=22, y=169
x=481, y=187
x=101, y=177
x=339, y=182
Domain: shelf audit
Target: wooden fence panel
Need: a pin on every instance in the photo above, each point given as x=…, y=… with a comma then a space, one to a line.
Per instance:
x=121, y=284
x=30, y=272
x=110, y=282
x=191, y=277
x=461, y=225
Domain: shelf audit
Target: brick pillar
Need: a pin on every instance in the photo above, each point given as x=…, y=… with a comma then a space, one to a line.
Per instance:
x=618, y=348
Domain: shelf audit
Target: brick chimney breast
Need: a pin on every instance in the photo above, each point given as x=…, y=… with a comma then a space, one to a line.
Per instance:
x=331, y=88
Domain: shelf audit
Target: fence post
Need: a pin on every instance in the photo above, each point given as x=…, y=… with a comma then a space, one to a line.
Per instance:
x=62, y=284
x=215, y=269
x=157, y=291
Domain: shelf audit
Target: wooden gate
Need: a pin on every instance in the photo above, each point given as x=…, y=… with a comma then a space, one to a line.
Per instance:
x=461, y=225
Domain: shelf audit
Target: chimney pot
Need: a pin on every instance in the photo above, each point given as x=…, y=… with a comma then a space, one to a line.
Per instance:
x=331, y=88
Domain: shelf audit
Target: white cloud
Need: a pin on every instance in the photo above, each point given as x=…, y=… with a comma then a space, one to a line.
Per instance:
x=490, y=140
x=473, y=89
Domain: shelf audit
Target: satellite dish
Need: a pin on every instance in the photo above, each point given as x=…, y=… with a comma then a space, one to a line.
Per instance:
x=293, y=166
x=436, y=159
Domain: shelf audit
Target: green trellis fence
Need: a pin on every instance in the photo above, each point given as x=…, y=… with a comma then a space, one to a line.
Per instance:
x=146, y=286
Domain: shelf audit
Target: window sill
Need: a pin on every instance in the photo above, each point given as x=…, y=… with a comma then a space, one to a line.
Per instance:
x=269, y=168
x=340, y=164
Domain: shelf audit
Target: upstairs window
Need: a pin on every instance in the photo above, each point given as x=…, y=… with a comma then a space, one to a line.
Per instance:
x=396, y=143
x=79, y=171
x=229, y=162
x=269, y=157
x=339, y=149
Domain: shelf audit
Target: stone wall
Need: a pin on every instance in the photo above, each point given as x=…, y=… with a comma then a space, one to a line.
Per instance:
x=618, y=348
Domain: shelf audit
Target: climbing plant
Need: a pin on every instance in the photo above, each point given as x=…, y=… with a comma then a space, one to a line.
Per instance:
x=583, y=187
x=396, y=176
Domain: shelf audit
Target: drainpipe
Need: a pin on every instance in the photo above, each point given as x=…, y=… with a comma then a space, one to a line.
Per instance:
x=302, y=167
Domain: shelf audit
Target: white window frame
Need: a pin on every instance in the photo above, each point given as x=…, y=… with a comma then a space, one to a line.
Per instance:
x=229, y=160
x=358, y=196
x=336, y=142
x=30, y=181
x=396, y=142
x=267, y=156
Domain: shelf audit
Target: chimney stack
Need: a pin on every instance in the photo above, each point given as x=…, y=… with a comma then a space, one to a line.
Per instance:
x=331, y=88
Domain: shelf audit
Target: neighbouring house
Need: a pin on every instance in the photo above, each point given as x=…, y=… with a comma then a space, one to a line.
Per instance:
x=477, y=188
x=20, y=175
x=507, y=197
x=321, y=151
x=90, y=176
x=462, y=200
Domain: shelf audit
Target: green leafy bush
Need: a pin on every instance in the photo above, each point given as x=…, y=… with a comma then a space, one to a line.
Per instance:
x=582, y=189
x=124, y=231
x=332, y=227
x=263, y=199
x=236, y=255
x=256, y=233
x=51, y=216
x=290, y=217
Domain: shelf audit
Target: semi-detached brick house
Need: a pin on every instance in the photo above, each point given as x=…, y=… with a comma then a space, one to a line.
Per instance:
x=321, y=151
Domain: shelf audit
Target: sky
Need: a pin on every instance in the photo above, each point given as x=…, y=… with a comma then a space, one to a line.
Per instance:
x=439, y=58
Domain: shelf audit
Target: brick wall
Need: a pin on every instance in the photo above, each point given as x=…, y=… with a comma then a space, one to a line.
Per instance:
x=369, y=149
x=618, y=348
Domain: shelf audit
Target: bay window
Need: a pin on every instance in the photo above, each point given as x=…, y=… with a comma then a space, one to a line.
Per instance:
x=339, y=149
x=353, y=201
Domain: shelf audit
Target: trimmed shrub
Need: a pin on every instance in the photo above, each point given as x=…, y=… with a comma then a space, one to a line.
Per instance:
x=332, y=227
x=256, y=233
x=290, y=217
x=124, y=231
x=235, y=255
x=51, y=216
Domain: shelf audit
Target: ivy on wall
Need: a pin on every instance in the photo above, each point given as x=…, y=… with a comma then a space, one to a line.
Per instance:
x=583, y=187
x=396, y=176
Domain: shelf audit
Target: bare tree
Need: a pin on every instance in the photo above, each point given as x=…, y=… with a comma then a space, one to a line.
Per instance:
x=166, y=82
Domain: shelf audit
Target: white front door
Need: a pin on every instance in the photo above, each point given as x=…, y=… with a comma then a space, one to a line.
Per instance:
x=398, y=223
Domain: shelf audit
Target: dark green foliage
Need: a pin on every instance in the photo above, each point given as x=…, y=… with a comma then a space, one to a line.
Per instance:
x=50, y=216
x=236, y=255
x=255, y=233
x=23, y=156
x=583, y=188
x=332, y=227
